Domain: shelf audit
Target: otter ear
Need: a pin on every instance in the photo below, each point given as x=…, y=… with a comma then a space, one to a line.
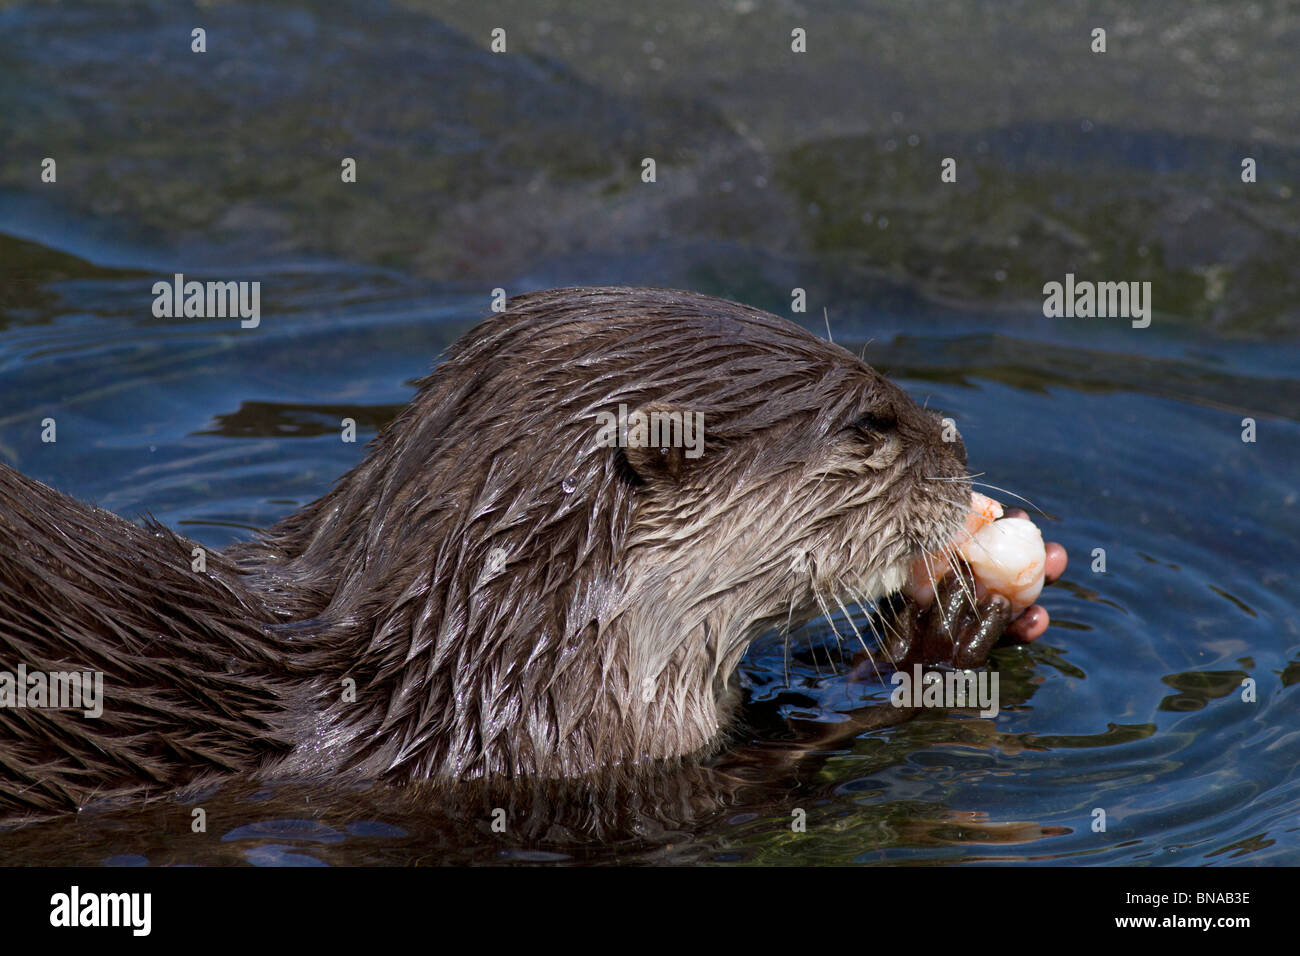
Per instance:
x=662, y=441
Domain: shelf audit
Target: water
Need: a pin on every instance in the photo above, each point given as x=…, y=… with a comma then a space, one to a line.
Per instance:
x=522, y=171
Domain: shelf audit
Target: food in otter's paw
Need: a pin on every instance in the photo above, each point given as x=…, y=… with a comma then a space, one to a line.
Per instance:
x=1007, y=557
x=983, y=512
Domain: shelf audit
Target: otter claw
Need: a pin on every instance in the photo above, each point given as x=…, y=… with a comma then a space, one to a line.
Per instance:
x=980, y=639
x=957, y=628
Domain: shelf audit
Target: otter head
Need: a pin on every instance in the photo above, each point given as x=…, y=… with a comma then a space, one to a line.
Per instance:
x=524, y=582
x=819, y=482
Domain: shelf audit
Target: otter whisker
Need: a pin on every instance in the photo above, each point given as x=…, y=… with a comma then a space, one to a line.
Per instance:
x=870, y=610
x=952, y=561
x=955, y=560
x=789, y=618
x=985, y=484
x=884, y=620
x=873, y=617
x=929, y=572
x=849, y=617
x=867, y=650
x=830, y=619
x=860, y=599
x=981, y=546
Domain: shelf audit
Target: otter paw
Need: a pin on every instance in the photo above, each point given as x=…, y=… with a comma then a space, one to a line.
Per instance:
x=960, y=627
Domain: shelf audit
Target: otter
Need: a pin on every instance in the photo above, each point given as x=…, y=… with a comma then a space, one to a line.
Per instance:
x=492, y=593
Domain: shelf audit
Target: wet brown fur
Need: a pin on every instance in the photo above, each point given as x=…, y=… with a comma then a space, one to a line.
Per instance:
x=603, y=643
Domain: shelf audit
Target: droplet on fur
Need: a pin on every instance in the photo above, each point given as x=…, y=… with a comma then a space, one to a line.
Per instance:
x=569, y=484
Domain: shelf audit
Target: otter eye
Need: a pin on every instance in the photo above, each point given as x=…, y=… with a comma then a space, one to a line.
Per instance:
x=875, y=424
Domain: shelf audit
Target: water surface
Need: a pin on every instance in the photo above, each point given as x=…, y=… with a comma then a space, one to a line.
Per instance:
x=522, y=171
